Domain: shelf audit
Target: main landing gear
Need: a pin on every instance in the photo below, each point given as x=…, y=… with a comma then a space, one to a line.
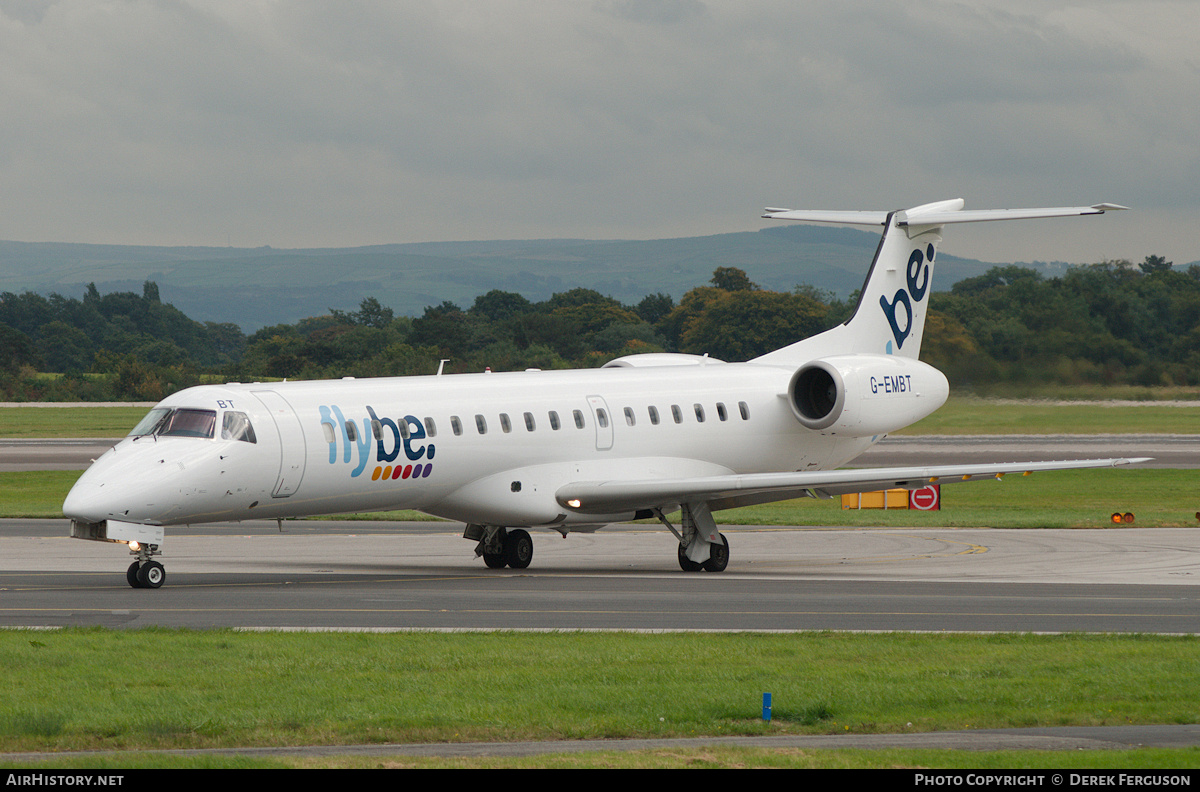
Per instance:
x=718, y=558
x=501, y=547
x=701, y=547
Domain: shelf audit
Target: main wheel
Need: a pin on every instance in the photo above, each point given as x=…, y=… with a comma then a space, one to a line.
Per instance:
x=718, y=557
x=131, y=574
x=687, y=564
x=495, y=560
x=518, y=546
x=151, y=575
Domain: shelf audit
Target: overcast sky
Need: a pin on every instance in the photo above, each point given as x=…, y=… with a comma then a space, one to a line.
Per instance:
x=315, y=123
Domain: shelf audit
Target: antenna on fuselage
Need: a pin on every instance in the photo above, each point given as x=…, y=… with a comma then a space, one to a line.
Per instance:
x=441, y=365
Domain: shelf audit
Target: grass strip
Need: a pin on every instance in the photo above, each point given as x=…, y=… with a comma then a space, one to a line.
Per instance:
x=1057, y=499
x=714, y=757
x=57, y=422
x=92, y=688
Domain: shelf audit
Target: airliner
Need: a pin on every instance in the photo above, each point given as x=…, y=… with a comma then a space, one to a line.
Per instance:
x=642, y=437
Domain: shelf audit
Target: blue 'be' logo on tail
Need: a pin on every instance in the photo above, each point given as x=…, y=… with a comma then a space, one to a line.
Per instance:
x=917, y=275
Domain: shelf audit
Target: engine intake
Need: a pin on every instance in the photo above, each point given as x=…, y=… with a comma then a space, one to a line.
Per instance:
x=818, y=395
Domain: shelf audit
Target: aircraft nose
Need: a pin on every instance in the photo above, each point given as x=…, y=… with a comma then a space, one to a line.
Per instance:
x=87, y=501
x=118, y=485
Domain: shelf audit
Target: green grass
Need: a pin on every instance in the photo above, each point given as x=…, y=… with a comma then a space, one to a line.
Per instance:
x=1053, y=499
x=52, y=422
x=714, y=757
x=35, y=493
x=155, y=688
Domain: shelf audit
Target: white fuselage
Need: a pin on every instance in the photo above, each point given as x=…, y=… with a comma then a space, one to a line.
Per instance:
x=481, y=448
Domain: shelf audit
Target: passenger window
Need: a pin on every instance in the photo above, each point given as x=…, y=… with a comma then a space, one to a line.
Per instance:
x=189, y=423
x=481, y=424
x=554, y=424
x=578, y=418
x=602, y=418
x=653, y=414
x=529, y=425
x=236, y=426
x=352, y=431
x=699, y=408
x=405, y=429
x=456, y=425
x=430, y=427
x=505, y=424
x=326, y=429
x=744, y=409
x=721, y=412
x=376, y=429
x=676, y=413
x=629, y=419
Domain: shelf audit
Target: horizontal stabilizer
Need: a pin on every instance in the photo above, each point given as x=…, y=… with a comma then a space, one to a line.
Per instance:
x=986, y=215
x=828, y=216
x=934, y=214
x=722, y=492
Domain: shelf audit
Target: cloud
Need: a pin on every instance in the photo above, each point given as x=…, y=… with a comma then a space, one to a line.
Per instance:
x=312, y=123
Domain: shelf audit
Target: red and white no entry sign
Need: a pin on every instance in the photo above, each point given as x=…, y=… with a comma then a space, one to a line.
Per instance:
x=926, y=499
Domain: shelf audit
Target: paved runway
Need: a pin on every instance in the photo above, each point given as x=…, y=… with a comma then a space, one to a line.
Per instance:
x=395, y=576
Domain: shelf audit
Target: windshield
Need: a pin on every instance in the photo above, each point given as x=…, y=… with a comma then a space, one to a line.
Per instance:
x=148, y=424
x=165, y=422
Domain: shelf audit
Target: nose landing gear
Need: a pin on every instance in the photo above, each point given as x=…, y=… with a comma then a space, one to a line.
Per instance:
x=148, y=575
x=145, y=572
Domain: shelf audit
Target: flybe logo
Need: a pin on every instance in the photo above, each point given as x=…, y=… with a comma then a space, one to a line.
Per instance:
x=917, y=276
x=379, y=442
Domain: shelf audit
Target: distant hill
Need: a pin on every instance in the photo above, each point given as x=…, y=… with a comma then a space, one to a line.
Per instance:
x=257, y=287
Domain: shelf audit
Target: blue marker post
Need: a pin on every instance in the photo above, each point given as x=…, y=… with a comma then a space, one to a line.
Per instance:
x=766, y=706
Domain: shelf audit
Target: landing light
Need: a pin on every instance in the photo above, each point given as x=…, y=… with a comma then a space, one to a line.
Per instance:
x=134, y=546
x=574, y=503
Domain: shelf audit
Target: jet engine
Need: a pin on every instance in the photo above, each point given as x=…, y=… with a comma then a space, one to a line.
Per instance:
x=865, y=395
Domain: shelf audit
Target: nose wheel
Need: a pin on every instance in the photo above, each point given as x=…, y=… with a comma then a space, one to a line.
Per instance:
x=148, y=575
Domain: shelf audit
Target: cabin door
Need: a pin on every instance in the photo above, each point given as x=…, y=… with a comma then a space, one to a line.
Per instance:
x=292, y=450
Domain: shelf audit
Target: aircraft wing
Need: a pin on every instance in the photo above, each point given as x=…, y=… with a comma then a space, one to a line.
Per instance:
x=727, y=492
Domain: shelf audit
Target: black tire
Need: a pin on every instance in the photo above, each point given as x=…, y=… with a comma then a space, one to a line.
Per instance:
x=495, y=560
x=687, y=564
x=151, y=575
x=518, y=547
x=131, y=574
x=718, y=557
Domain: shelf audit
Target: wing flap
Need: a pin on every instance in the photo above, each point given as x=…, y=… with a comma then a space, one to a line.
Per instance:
x=722, y=492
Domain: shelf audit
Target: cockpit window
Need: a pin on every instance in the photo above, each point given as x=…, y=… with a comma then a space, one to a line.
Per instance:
x=189, y=423
x=147, y=425
x=236, y=426
x=167, y=422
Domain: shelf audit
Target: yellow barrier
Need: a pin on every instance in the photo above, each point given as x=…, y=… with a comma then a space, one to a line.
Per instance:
x=881, y=499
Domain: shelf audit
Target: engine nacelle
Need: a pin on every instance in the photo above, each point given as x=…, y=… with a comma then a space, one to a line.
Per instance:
x=865, y=395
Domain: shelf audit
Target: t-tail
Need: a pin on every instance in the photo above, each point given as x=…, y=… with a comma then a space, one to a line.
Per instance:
x=890, y=316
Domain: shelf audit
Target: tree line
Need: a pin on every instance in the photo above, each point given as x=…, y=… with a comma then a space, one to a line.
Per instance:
x=1108, y=323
